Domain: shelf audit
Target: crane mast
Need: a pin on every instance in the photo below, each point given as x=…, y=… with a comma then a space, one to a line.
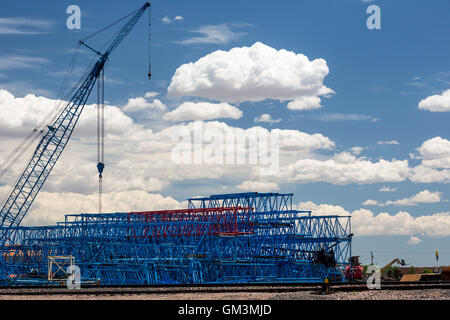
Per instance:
x=56, y=136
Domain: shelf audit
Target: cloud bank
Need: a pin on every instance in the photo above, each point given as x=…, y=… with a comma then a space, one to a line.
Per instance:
x=253, y=73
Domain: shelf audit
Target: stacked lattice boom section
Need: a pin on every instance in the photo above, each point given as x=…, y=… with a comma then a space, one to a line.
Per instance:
x=246, y=237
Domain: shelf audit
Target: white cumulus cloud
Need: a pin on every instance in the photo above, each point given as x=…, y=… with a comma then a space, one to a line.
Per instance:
x=366, y=223
x=424, y=196
x=167, y=20
x=265, y=117
x=413, y=240
x=151, y=94
x=345, y=168
x=370, y=202
x=253, y=73
x=203, y=111
x=357, y=150
x=435, y=164
x=141, y=103
x=140, y=158
x=437, y=102
x=258, y=186
x=27, y=112
x=304, y=103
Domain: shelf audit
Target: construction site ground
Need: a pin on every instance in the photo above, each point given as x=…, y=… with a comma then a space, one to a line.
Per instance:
x=428, y=294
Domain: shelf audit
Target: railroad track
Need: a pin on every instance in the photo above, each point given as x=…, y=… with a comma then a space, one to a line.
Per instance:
x=216, y=288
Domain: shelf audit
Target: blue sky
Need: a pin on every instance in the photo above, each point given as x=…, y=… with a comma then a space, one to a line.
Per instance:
x=378, y=77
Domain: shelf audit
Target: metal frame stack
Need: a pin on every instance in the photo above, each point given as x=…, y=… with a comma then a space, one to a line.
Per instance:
x=232, y=238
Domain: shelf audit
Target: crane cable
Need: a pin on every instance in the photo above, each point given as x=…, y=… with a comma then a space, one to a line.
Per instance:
x=149, y=60
x=100, y=134
x=59, y=105
x=109, y=26
x=38, y=131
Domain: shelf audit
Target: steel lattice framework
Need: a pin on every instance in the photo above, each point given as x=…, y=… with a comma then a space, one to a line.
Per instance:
x=248, y=237
x=56, y=136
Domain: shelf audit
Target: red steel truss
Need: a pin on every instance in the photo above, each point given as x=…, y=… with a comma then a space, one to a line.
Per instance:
x=224, y=221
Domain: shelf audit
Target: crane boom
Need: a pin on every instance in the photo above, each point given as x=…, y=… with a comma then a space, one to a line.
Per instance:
x=55, y=138
x=400, y=262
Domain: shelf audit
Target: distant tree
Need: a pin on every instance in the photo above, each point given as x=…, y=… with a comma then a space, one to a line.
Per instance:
x=365, y=268
x=426, y=270
x=411, y=270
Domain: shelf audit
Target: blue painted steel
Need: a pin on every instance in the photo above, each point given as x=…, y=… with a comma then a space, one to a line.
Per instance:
x=278, y=244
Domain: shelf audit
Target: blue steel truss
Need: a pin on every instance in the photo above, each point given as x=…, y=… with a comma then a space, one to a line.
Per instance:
x=260, y=202
x=221, y=240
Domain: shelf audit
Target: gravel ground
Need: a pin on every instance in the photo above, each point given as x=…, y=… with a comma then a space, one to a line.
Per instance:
x=429, y=294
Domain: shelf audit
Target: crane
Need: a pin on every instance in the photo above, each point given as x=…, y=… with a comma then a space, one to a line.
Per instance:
x=56, y=135
x=396, y=260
